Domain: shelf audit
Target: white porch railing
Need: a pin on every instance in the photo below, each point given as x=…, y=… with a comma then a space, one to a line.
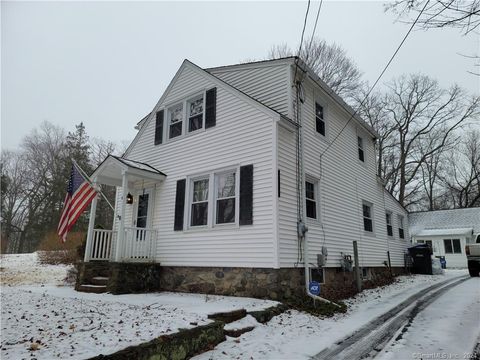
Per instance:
x=139, y=245
x=102, y=244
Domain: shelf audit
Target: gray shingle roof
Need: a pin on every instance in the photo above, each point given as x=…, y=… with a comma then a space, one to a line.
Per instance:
x=445, y=219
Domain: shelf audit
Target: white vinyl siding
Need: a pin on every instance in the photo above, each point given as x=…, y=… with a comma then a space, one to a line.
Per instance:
x=342, y=186
x=266, y=83
x=243, y=135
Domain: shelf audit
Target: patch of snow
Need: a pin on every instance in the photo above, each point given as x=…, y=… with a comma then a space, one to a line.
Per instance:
x=247, y=321
x=449, y=327
x=25, y=269
x=48, y=321
x=297, y=335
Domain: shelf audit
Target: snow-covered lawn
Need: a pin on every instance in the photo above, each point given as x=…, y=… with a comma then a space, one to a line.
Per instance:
x=50, y=321
x=297, y=335
x=44, y=319
x=25, y=269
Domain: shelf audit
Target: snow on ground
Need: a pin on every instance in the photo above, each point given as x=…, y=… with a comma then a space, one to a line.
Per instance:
x=297, y=335
x=18, y=269
x=48, y=321
x=448, y=327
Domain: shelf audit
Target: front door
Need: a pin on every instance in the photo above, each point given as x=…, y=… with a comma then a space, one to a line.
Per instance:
x=142, y=213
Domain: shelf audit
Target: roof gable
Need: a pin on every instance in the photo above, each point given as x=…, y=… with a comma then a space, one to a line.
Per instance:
x=211, y=78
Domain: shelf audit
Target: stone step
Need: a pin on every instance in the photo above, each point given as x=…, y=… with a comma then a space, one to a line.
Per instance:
x=237, y=332
x=99, y=280
x=229, y=316
x=89, y=288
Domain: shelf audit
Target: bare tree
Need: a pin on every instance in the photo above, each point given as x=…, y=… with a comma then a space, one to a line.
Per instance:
x=460, y=14
x=462, y=177
x=424, y=118
x=329, y=61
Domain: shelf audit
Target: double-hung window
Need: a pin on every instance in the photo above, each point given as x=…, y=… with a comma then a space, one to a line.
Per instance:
x=195, y=113
x=319, y=119
x=367, y=216
x=175, y=121
x=452, y=246
x=401, y=232
x=226, y=197
x=199, y=202
x=213, y=199
x=388, y=216
x=361, y=153
x=311, y=199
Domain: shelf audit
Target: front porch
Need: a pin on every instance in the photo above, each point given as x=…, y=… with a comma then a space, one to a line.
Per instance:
x=115, y=258
x=132, y=237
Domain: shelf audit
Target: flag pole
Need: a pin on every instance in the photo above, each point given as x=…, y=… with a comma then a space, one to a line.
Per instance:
x=87, y=178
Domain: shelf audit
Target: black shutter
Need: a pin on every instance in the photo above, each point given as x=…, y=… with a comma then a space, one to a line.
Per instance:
x=246, y=195
x=179, y=205
x=278, y=182
x=159, y=128
x=211, y=108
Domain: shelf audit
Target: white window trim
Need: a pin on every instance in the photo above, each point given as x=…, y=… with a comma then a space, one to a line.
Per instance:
x=453, y=248
x=391, y=223
x=185, y=118
x=212, y=200
x=368, y=233
x=169, y=120
x=237, y=197
x=401, y=225
x=187, y=113
x=322, y=103
x=190, y=200
x=315, y=183
x=361, y=148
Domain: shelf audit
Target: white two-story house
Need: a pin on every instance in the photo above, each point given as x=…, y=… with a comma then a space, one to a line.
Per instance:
x=211, y=190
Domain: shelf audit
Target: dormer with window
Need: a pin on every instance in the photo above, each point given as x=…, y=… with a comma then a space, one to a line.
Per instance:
x=186, y=117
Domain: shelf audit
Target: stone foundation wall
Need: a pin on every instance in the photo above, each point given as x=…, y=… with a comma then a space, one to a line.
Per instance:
x=277, y=284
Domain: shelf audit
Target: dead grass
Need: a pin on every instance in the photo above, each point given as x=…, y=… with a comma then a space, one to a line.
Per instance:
x=53, y=251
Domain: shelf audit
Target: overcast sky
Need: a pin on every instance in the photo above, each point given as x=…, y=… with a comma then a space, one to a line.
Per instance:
x=107, y=63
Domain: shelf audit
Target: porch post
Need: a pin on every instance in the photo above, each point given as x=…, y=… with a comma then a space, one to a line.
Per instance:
x=91, y=225
x=121, y=227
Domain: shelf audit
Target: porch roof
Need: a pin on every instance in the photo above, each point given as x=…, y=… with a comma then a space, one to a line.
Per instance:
x=445, y=232
x=111, y=170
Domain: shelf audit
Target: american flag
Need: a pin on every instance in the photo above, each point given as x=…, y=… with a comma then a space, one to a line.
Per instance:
x=79, y=194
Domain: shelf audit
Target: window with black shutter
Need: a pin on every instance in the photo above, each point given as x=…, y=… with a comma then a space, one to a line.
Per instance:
x=159, y=127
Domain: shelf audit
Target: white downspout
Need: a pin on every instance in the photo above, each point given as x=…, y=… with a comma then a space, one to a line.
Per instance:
x=303, y=205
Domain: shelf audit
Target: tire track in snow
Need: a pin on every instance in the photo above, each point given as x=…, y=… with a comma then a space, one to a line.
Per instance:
x=371, y=338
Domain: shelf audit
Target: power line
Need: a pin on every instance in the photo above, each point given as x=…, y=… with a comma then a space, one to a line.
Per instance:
x=378, y=79
x=301, y=39
x=313, y=32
